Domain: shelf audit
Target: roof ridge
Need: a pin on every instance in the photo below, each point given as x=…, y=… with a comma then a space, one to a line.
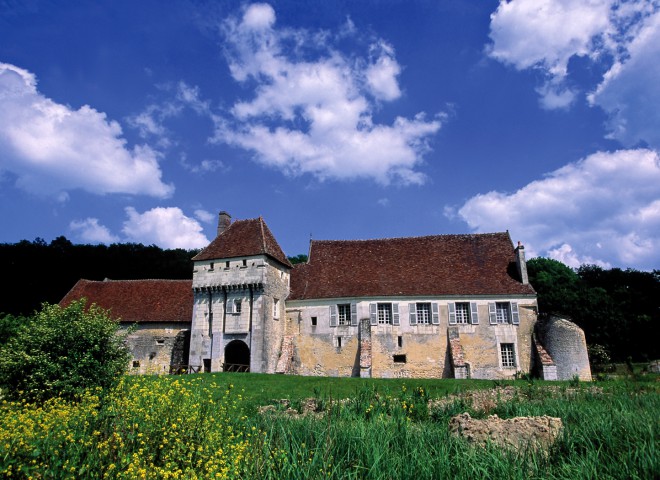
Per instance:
x=443, y=235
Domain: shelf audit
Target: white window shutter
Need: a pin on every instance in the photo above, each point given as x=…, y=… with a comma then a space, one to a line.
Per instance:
x=435, y=314
x=333, y=315
x=515, y=315
x=474, y=313
x=492, y=313
x=412, y=308
x=373, y=313
x=354, y=314
x=395, y=314
x=452, y=313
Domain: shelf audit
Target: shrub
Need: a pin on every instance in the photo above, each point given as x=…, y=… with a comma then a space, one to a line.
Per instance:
x=62, y=351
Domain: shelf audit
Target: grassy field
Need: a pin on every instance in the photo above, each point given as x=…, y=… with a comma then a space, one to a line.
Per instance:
x=209, y=426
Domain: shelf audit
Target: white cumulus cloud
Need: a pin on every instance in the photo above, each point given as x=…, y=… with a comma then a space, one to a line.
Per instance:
x=312, y=109
x=630, y=91
x=621, y=37
x=603, y=209
x=91, y=231
x=166, y=227
x=52, y=148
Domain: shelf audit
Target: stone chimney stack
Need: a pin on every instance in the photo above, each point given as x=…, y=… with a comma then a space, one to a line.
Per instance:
x=521, y=264
x=224, y=220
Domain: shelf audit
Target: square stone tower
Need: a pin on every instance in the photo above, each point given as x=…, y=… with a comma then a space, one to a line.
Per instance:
x=240, y=285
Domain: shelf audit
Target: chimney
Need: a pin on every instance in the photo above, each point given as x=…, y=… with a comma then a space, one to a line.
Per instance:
x=521, y=264
x=224, y=220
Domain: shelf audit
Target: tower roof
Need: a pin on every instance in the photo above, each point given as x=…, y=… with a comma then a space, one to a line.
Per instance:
x=244, y=238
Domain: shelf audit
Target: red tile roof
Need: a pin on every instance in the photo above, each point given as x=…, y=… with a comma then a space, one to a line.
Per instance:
x=138, y=300
x=475, y=264
x=244, y=238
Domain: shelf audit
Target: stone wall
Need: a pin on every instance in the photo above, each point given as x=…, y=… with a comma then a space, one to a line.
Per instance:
x=406, y=350
x=156, y=346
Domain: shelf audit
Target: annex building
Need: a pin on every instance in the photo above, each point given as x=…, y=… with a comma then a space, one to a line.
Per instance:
x=442, y=306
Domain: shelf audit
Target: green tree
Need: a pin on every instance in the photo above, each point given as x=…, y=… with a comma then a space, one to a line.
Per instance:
x=300, y=258
x=63, y=351
x=556, y=284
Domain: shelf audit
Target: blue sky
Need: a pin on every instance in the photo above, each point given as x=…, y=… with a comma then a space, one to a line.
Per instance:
x=127, y=121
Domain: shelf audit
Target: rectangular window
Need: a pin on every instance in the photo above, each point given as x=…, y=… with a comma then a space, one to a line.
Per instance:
x=423, y=313
x=344, y=312
x=508, y=356
x=400, y=341
x=385, y=314
x=399, y=358
x=502, y=312
x=314, y=320
x=237, y=306
x=276, y=308
x=463, y=312
x=136, y=364
x=338, y=342
x=211, y=266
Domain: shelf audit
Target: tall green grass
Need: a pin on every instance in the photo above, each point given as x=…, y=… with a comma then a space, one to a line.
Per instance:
x=208, y=426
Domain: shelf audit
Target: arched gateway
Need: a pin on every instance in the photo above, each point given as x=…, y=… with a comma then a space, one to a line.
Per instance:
x=237, y=357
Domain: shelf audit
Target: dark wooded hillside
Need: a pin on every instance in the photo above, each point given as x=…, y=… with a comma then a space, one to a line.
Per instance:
x=36, y=272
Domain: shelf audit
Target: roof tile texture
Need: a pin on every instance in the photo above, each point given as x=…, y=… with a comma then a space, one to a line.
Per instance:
x=470, y=264
x=244, y=238
x=138, y=300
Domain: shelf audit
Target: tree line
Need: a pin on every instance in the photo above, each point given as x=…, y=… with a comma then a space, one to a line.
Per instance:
x=36, y=272
x=618, y=310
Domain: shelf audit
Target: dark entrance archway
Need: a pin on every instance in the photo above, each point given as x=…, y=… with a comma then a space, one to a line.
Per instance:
x=237, y=357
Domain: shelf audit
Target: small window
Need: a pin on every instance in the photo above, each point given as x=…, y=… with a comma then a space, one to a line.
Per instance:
x=244, y=263
x=463, y=312
x=508, y=355
x=400, y=341
x=314, y=320
x=399, y=358
x=338, y=342
x=160, y=341
x=136, y=364
x=423, y=313
x=384, y=313
x=227, y=264
x=276, y=308
x=344, y=312
x=211, y=266
x=237, y=306
x=502, y=312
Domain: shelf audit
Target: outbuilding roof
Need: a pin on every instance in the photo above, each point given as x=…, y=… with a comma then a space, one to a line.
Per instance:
x=138, y=300
x=244, y=238
x=452, y=265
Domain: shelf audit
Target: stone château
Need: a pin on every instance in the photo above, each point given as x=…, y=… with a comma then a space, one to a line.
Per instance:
x=442, y=306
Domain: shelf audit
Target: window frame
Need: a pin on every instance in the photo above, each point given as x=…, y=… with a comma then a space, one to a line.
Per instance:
x=512, y=309
x=384, y=313
x=508, y=355
x=343, y=314
x=423, y=312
